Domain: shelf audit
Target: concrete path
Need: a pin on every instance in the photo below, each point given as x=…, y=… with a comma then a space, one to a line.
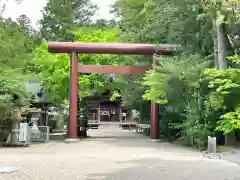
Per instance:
x=113, y=154
x=233, y=157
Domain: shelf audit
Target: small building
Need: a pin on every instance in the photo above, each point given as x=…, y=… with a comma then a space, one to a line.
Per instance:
x=101, y=109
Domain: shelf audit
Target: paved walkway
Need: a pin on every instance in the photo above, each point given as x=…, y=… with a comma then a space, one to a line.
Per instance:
x=113, y=154
x=232, y=156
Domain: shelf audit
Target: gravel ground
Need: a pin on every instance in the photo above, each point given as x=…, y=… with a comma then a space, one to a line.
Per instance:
x=113, y=154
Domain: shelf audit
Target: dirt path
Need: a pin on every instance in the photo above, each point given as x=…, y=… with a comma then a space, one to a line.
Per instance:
x=113, y=154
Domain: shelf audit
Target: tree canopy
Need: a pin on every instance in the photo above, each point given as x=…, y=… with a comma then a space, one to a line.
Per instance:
x=197, y=89
x=54, y=68
x=60, y=17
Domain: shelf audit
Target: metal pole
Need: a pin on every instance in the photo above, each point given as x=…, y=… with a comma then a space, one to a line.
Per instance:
x=154, y=112
x=72, y=122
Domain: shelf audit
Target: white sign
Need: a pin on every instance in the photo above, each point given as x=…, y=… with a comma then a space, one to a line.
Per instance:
x=23, y=134
x=104, y=113
x=124, y=114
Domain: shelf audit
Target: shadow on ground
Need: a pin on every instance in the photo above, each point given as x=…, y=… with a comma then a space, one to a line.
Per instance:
x=158, y=169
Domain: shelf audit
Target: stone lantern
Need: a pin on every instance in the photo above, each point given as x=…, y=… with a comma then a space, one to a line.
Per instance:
x=15, y=118
x=35, y=115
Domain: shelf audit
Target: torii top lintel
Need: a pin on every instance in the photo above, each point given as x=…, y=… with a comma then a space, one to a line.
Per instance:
x=111, y=48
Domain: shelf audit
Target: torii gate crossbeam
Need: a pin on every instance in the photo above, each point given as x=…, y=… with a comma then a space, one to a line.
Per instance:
x=107, y=48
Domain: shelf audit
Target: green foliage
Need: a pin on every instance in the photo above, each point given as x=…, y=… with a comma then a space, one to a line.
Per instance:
x=195, y=99
x=12, y=88
x=13, y=44
x=176, y=83
x=225, y=86
x=25, y=24
x=54, y=68
x=16, y=52
x=171, y=77
x=61, y=16
x=157, y=90
x=162, y=21
x=222, y=11
x=229, y=122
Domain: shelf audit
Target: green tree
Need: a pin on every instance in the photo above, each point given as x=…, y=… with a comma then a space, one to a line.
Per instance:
x=162, y=21
x=54, y=69
x=60, y=16
x=25, y=24
x=15, y=53
x=100, y=23
x=223, y=16
x=224, y=85
x=177, y=83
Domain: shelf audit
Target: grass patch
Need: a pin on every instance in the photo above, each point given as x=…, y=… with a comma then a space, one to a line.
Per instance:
x=221, y=149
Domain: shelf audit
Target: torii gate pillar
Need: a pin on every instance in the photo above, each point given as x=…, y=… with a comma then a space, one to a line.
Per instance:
x=154, y=112
x=73, y=98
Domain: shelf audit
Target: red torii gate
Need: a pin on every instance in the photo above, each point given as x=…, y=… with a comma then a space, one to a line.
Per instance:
x=107, y=48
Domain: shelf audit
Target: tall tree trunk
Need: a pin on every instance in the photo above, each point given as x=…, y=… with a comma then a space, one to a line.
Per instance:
x=230, y=138
x=222, y=52
x=215, y=55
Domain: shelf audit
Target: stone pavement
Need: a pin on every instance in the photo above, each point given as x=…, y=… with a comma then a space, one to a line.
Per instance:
x=233, y=157
x=113, y=154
